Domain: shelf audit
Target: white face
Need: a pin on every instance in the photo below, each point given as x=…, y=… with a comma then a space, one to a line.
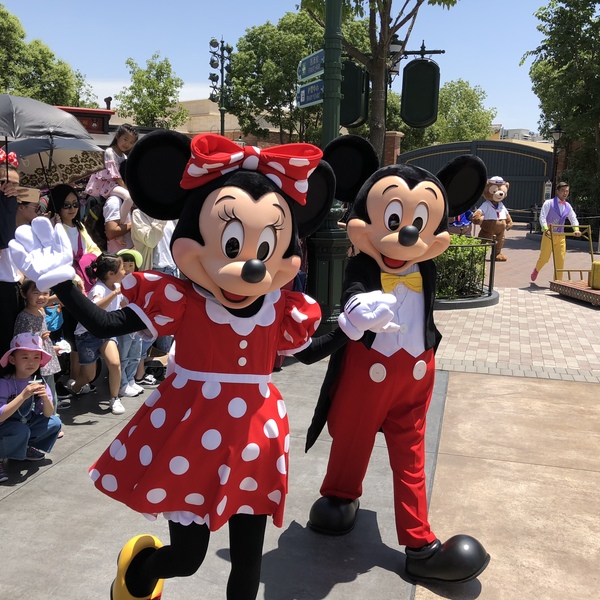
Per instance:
x=115, y=277
x=69, y=209
x=125, y=142
x=26, y=362
x=237, y=229
x=28, y=211
x=36, y=299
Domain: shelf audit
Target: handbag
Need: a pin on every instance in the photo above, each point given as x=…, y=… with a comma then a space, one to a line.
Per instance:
x=80, y=262
x=54, y=317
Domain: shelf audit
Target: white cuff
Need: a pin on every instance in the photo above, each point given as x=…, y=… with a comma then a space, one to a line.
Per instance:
x=352, y=332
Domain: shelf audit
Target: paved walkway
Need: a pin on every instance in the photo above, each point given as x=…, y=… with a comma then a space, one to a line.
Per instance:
x=531, y=332
x=512, y=460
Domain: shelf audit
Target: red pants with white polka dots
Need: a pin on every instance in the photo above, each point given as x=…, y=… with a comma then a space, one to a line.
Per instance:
x=391, y=394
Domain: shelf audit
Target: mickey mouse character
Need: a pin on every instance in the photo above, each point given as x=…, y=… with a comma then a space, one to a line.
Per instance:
x=383, y=379
x=210, y=445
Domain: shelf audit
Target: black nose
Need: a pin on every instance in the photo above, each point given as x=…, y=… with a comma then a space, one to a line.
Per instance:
x=254, y=271
x=408, y=235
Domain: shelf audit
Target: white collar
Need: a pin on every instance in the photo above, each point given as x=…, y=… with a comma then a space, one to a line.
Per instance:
x=218, y=314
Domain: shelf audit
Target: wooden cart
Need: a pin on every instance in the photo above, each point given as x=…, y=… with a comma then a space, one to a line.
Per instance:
x=573, y=287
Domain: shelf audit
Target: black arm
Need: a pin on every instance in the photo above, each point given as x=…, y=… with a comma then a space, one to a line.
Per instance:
x=322, y=346
x=97, y=321
x=8, y=219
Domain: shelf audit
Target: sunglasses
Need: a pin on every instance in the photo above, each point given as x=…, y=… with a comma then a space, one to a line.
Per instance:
x=67, y=206
x=36, y=204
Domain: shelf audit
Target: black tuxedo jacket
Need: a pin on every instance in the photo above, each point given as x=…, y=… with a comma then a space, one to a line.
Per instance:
x=364, y=275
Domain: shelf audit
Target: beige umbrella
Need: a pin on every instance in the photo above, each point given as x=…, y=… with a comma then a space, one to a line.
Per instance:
x=46, y=162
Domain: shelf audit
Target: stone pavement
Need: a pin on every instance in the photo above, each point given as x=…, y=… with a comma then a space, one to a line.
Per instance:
x=512, y=460
x=531, y=332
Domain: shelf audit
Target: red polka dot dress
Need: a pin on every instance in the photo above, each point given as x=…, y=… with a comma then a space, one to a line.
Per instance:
x=212, y=440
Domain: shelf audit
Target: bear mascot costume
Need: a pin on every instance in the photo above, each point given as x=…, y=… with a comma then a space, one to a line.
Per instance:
x=492, y=216
x=209, y=446
x=383, y=378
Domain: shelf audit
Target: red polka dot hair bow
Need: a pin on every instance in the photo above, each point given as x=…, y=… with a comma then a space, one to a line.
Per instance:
x=11, y=158
x=289, y=166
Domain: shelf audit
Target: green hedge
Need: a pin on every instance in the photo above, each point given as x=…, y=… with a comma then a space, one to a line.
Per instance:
x=461, y=269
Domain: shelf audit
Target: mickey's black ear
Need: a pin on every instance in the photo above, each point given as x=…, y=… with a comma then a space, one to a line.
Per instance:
x=353, y=160
x=464, y=179
x=154, y=170
x=321, y=188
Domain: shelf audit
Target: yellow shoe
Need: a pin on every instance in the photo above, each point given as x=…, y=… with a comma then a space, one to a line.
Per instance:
x=130, y=550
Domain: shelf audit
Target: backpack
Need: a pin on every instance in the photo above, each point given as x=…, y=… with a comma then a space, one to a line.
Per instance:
x=94, y=221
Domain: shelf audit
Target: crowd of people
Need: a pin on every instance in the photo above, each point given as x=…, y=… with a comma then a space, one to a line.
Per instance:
x=47, y=358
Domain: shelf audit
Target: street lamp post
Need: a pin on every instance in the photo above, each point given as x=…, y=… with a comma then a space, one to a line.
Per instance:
x=556, y=133
x=220, y=60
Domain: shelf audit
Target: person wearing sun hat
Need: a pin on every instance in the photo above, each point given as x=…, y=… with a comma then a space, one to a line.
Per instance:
x=131, y=253
x=28, y=425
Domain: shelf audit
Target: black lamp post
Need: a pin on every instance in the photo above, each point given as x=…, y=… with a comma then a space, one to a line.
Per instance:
x=556, y=133
x=220, y=60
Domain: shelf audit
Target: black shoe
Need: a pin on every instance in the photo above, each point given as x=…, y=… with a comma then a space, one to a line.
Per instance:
x=62, y=393
x=333, y=516
x=459, y=559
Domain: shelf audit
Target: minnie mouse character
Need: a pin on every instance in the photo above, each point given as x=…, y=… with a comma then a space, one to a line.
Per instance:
x=383, y=380
x=210, y=445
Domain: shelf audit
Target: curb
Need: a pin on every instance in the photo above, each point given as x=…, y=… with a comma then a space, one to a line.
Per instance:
x=480, y=302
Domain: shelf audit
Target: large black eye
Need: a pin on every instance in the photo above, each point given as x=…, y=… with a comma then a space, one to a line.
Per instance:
x=266, y=244
x=232, y=239
x=393, y=215
x=421, y=217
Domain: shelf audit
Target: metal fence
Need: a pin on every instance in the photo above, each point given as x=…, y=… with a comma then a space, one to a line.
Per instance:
x=461, y=272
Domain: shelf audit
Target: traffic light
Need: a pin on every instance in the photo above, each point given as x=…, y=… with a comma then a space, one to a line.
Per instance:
x=420, y=92
x=354, y=107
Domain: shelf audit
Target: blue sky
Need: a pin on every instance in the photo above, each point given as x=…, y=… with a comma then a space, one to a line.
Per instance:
x=484, y=41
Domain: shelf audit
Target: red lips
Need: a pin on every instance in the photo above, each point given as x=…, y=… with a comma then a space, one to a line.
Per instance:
x=232, y=297
x=392, y=263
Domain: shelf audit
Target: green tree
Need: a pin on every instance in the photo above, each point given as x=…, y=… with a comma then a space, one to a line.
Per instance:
x=566, y=78
x=44, y=77
x=84, y=94
x=384, y=29
x=461, y=116
x=12, y=49
x=151, y=99
x=32, y=69
x=264, y=75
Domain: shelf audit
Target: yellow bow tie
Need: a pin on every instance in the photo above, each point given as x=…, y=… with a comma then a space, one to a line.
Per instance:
x=413, y=281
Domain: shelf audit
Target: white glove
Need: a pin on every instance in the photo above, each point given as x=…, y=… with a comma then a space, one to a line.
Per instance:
x=369, y=311
x=43, y=253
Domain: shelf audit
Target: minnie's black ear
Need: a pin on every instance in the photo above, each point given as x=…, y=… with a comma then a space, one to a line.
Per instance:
x=321, y=188
x=464, y=180
x=353, y=160
x=154, y=170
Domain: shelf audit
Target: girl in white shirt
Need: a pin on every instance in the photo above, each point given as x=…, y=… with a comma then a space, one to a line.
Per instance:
x=108, y=272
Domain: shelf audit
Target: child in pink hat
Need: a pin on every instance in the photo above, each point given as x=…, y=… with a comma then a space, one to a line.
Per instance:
x=28, y=425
